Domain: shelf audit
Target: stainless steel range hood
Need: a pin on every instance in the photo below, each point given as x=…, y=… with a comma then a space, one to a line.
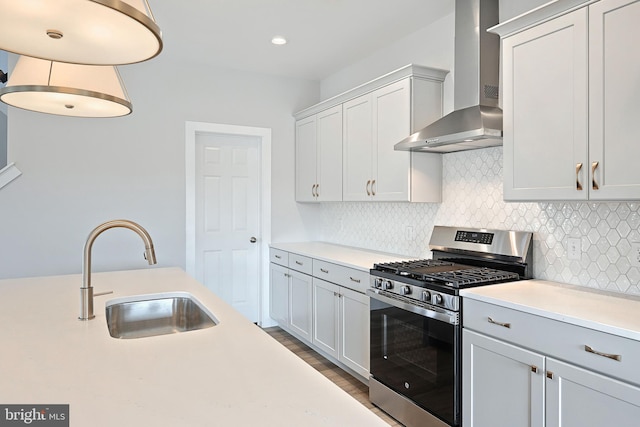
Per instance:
x=476, y=121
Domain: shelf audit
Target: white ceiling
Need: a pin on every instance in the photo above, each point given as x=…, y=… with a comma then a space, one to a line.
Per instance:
x=324, y=35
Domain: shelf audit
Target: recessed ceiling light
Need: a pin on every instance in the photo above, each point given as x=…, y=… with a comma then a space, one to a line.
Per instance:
x=279, y=40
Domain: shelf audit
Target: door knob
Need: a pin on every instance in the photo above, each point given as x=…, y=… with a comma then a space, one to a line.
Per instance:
x=253, y=240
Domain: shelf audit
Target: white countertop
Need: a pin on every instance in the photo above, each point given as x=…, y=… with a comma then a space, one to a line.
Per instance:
x=233, y=374
x=616, y=314
x=360, y=259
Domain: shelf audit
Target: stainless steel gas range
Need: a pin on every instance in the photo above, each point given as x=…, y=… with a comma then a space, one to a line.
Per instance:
x=416, y=320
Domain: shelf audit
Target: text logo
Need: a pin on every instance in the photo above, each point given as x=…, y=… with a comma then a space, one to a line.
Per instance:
x=34, y=415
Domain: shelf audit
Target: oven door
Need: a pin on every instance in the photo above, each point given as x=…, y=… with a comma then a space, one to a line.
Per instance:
x=415, y=351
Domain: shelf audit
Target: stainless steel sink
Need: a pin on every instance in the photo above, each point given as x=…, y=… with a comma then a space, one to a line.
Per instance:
x=159, y=314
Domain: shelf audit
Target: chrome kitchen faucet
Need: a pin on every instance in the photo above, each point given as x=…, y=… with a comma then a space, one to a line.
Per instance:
x=86, y=291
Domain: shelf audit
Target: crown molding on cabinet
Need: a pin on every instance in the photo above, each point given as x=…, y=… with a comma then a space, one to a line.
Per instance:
x=411, y=70
x=537, y=16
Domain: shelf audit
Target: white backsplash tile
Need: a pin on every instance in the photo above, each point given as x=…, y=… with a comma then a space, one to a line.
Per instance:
x=472, y=197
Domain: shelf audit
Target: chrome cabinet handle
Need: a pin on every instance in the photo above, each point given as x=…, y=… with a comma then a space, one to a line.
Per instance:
x=578, y=185
x=324, y=271
x=317, y=190
x=253, y=240
x=505, y=325
x=354, y=280
x=616, y=357
x=367, y=187
x=594, y=184
x=278, y=257
x=373, y=191
x=298, y=262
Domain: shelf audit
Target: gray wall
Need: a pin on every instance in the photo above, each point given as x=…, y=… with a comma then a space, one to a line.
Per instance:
x=77, y=173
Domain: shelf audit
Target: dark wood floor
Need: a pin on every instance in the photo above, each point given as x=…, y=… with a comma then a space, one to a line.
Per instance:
x=341, y=378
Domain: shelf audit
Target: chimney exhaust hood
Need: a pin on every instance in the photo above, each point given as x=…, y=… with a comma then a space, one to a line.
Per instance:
x=476, y=121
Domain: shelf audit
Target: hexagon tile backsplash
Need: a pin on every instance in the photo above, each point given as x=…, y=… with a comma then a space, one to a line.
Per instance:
x=472, y=197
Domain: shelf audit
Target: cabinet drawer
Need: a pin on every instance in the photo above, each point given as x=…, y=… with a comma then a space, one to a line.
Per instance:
x=557, y=339
x=300, y=263
x=344, y=276
x=277, y=256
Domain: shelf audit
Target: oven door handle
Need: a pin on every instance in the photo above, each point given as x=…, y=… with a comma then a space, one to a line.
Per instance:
x=432, y=313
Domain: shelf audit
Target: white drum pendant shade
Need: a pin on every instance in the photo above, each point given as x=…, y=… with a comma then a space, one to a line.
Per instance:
x=93, y=32
x=66, y=89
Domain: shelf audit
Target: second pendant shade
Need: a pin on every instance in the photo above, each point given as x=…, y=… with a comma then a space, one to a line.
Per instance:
x=66, y=89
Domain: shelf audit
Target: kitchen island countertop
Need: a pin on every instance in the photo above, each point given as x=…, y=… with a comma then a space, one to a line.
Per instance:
x=233, y=374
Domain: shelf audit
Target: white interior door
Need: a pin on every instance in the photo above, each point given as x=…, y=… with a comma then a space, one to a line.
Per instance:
x=227, y=218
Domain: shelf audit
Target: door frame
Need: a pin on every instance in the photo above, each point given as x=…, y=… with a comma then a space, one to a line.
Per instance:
x=192, y=129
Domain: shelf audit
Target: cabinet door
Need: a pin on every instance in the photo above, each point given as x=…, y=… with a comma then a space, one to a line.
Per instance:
x=614, y=100
x=354, y=332
x=300, y=298
x=391, y=107
x=329, y=155
x=279, y=294
x=357, y=149
x=499, y=385
x=306, y=152
x=546, y=111
x=326, y=316
x=576, y=397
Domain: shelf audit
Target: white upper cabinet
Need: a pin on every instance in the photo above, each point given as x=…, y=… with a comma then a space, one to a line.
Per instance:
x=318, y=155
x=373, y=124
x=570, y=102
x=374, y=117
x=306, y=159
x=614, y=100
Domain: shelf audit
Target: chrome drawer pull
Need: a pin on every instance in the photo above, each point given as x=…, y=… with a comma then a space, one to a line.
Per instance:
x=610, y=356
x=324, y=271
x=506, y=325
x=354, y=280
x=298, y=262
x=368, y=192
x=278, y=257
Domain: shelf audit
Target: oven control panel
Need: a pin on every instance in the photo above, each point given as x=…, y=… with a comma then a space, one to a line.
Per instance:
x=418, y=293
x=474, y=237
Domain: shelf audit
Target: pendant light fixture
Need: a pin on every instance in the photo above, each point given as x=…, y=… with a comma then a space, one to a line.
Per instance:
x=66, y=89
x=91, y=32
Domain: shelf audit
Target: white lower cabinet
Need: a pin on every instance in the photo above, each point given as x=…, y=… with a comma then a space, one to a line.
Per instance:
x=300, y=306
x=330, y=314
x=279, y=293
x=577, y=397
x=341, y=324
x=508, y=385
x=290, y=293
x=500, y=387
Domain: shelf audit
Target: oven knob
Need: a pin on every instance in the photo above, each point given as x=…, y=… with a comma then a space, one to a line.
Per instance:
x=426, y=296
x=437, y=298
x=405, y=290
x=377, y=283
x=388, y=284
